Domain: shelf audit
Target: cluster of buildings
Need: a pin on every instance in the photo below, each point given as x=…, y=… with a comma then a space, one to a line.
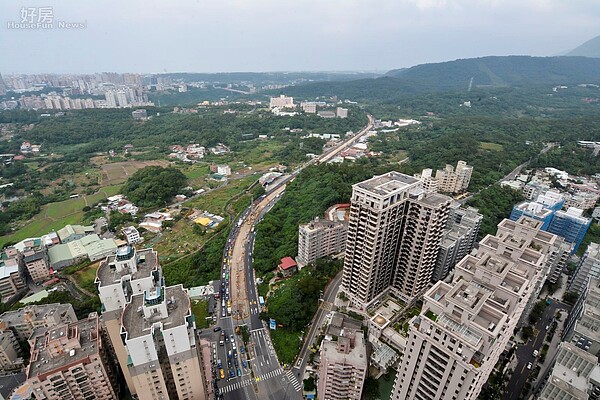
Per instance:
x=575, y=374
x=40, y=258
x=119, y=203
x=28, y=148
x=405, y=243
x=190, y=154
x=580, y=192
x=145, y=340
x=547, y=207
x=205, y=218
x=153, y=222
x=281, y=103
x=448, y=180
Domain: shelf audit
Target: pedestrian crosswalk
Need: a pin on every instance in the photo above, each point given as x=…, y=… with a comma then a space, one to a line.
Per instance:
x=294, y=381
x=242, y=383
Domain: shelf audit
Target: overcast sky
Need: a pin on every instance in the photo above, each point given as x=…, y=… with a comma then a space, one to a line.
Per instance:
x=285, y=35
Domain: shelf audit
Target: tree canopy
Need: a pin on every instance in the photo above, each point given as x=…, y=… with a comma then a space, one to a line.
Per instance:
x=154, y=186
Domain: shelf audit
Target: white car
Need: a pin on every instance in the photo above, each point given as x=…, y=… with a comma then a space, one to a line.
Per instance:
x=535, y=353
x=529, y=365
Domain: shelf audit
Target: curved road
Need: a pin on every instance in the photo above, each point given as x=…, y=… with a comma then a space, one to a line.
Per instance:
x=256, y=373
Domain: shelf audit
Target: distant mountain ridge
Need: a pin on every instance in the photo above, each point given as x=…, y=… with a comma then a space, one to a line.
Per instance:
x=591, y=48
x=501, y=71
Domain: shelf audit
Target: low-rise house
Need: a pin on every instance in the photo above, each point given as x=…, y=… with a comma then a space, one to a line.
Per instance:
x=287, y=266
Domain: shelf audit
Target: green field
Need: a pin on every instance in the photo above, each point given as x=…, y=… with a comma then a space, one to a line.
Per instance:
x=54, y=216
x=86, y=277
x=491, y=146
x=215, y=200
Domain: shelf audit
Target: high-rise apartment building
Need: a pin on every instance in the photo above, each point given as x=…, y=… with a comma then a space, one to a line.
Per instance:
x=576, y=372
x=71, y=361
x=158, y=330
x=343, y=362
x=458, y=240
x=588, y=268
x=36, y=260
x=24, y=321
x=119, y=277
x=394, y=232
x=464, y=326
x=320, y=238
x=571, y=225
x=451, y=180
x=11, y=272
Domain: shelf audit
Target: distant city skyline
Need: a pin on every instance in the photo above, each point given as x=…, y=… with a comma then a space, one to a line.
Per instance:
x=268, y=35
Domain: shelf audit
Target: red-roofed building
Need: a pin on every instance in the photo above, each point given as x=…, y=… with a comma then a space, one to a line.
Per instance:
x=287, y=266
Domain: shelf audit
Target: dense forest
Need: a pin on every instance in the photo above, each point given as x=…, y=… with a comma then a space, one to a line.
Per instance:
x=502, y=71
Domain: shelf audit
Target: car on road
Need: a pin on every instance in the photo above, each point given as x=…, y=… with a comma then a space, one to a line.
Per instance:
x=535, y=353
x=529, y=365
x=244, y=364
x=222, y=373
x=242, y=349
x=221, y=343
x=547, y=326
x=232, y=373
x=217, y=329
x=239, y=371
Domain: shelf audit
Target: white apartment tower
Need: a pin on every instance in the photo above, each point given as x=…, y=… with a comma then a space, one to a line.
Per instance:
x=119, y=277
x=464, y=326
x=394, y=231
x=320, y=238
x=159, y=333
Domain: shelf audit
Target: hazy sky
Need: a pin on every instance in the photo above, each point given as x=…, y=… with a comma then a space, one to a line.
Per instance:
x=285, y=35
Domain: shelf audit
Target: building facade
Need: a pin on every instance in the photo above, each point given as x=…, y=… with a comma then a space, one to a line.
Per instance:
x=464, y=326
x=159, y=333
x=451, y=180
x=119, y=277
x=320, y=238
x=343, y=363
x=588, y=268
x=571, y=225
x=71, y=362
x=458, y=239
x=394, y=232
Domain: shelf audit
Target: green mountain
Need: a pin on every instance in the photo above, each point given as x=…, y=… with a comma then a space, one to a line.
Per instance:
x=502, y=71
x=591, y=48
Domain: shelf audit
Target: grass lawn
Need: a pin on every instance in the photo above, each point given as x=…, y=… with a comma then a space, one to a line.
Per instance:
x=286, y=344
x=200, y=310
x=491, y=146
x=196, y=171
x=54, y=216
x=85, y=277
x=215, y=200
x=179, y=241
x=63, y=208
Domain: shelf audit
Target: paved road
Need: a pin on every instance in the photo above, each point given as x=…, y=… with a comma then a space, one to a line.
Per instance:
x=317, y=322
x=263, y=377
x=525, y=352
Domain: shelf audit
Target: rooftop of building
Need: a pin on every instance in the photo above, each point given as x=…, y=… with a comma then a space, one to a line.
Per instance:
x=147, y=261
x=320, y=223
x=340, y=322
x=388, y=183
x=434, y=199
x=287, y=263
x=178, y=306
x=35, y=313
x=49, y=352
x=357, y=355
